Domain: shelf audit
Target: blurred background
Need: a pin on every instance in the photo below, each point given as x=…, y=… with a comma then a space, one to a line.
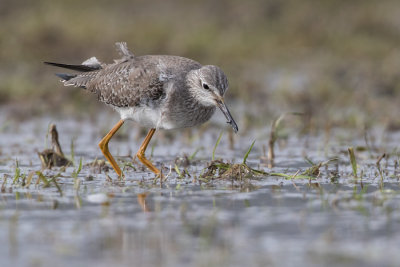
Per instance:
x=336, y=61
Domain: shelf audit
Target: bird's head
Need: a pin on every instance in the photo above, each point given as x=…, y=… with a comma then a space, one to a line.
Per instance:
x=208, y=85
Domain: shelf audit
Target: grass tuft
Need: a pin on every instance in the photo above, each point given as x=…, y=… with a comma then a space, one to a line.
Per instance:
x=218, y=169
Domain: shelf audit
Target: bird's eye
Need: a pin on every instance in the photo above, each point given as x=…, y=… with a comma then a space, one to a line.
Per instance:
x=205, y=86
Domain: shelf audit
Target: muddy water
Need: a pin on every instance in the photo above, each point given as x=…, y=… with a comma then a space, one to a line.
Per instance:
x=98, y=220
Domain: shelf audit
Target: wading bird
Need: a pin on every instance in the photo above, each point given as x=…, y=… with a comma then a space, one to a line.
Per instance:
x=156, y=91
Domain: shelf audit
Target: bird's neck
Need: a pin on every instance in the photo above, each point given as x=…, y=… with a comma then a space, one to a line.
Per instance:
x=185, y=107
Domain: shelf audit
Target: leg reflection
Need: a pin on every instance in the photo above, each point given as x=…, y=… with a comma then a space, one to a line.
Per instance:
x=141, y=198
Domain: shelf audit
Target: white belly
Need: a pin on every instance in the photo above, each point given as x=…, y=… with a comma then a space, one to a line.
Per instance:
x=147, y=117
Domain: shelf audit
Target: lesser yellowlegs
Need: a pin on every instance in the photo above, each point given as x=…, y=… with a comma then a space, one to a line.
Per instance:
x=156, y=91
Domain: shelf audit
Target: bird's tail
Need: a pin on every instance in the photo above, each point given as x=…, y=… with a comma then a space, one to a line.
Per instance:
x=90, y=65
x=65, y=76
x=80, y=68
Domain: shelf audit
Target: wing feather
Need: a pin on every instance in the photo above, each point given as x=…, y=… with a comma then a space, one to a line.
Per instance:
x=128, y=84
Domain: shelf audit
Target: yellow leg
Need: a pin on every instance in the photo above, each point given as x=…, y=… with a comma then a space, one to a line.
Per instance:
x=104, y=147
x=142, y=150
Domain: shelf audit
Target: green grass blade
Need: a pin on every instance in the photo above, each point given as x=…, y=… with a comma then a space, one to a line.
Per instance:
x=309, y=161
x=216, y=145
x=195, y=153
x=248, y=152
x=178, y=171
x=17, y=172
x=43, y=179
x=57, y=186
x=80, y=167
x=72, y=151
x=353, y=161
x=75, y=173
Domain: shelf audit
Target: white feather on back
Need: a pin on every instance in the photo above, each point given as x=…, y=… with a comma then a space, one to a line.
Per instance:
x=92, y=62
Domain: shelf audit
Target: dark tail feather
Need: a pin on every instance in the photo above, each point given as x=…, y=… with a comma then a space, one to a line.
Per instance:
x=82, y=68
x=65, y=77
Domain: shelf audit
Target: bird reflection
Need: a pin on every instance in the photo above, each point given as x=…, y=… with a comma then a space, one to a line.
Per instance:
x=141, y=198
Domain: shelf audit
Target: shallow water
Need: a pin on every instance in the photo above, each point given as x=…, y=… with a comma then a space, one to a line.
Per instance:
x=330, y=220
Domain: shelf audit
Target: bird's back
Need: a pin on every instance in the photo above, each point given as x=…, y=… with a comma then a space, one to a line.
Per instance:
x=136, y=81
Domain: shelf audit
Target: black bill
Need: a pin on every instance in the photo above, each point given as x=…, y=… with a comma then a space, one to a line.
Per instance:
x=228, y=115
